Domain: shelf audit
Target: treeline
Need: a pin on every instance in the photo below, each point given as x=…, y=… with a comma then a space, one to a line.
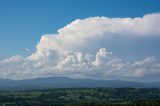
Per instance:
x=82, y=97
x=138, y=103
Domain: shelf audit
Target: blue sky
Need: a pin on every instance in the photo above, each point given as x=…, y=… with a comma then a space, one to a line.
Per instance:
x=23, y=22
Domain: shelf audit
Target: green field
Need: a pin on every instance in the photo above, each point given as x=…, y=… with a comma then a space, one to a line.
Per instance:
x=82, y=97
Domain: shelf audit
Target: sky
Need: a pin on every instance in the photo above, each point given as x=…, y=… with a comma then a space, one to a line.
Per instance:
x=50, y=35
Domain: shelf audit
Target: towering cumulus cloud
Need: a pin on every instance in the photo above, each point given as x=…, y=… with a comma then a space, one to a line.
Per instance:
x=79, y=50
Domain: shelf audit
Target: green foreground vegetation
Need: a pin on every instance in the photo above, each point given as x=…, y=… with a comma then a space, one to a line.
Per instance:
x=82, y=97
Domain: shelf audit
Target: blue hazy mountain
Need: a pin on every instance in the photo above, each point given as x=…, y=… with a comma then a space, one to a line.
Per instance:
x=64, y=82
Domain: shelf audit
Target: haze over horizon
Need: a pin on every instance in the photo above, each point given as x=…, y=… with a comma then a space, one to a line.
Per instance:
x=95, y=42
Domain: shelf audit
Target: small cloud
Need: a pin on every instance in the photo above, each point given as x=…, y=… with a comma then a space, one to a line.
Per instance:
x=27, y=50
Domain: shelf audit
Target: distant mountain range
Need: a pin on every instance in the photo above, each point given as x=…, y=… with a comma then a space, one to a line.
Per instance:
x=64, y=82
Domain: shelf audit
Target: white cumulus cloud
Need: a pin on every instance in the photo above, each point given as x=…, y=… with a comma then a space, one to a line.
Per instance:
x=78, y=50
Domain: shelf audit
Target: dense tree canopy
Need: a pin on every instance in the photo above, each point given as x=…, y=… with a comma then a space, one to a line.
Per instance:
x=82, y=97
